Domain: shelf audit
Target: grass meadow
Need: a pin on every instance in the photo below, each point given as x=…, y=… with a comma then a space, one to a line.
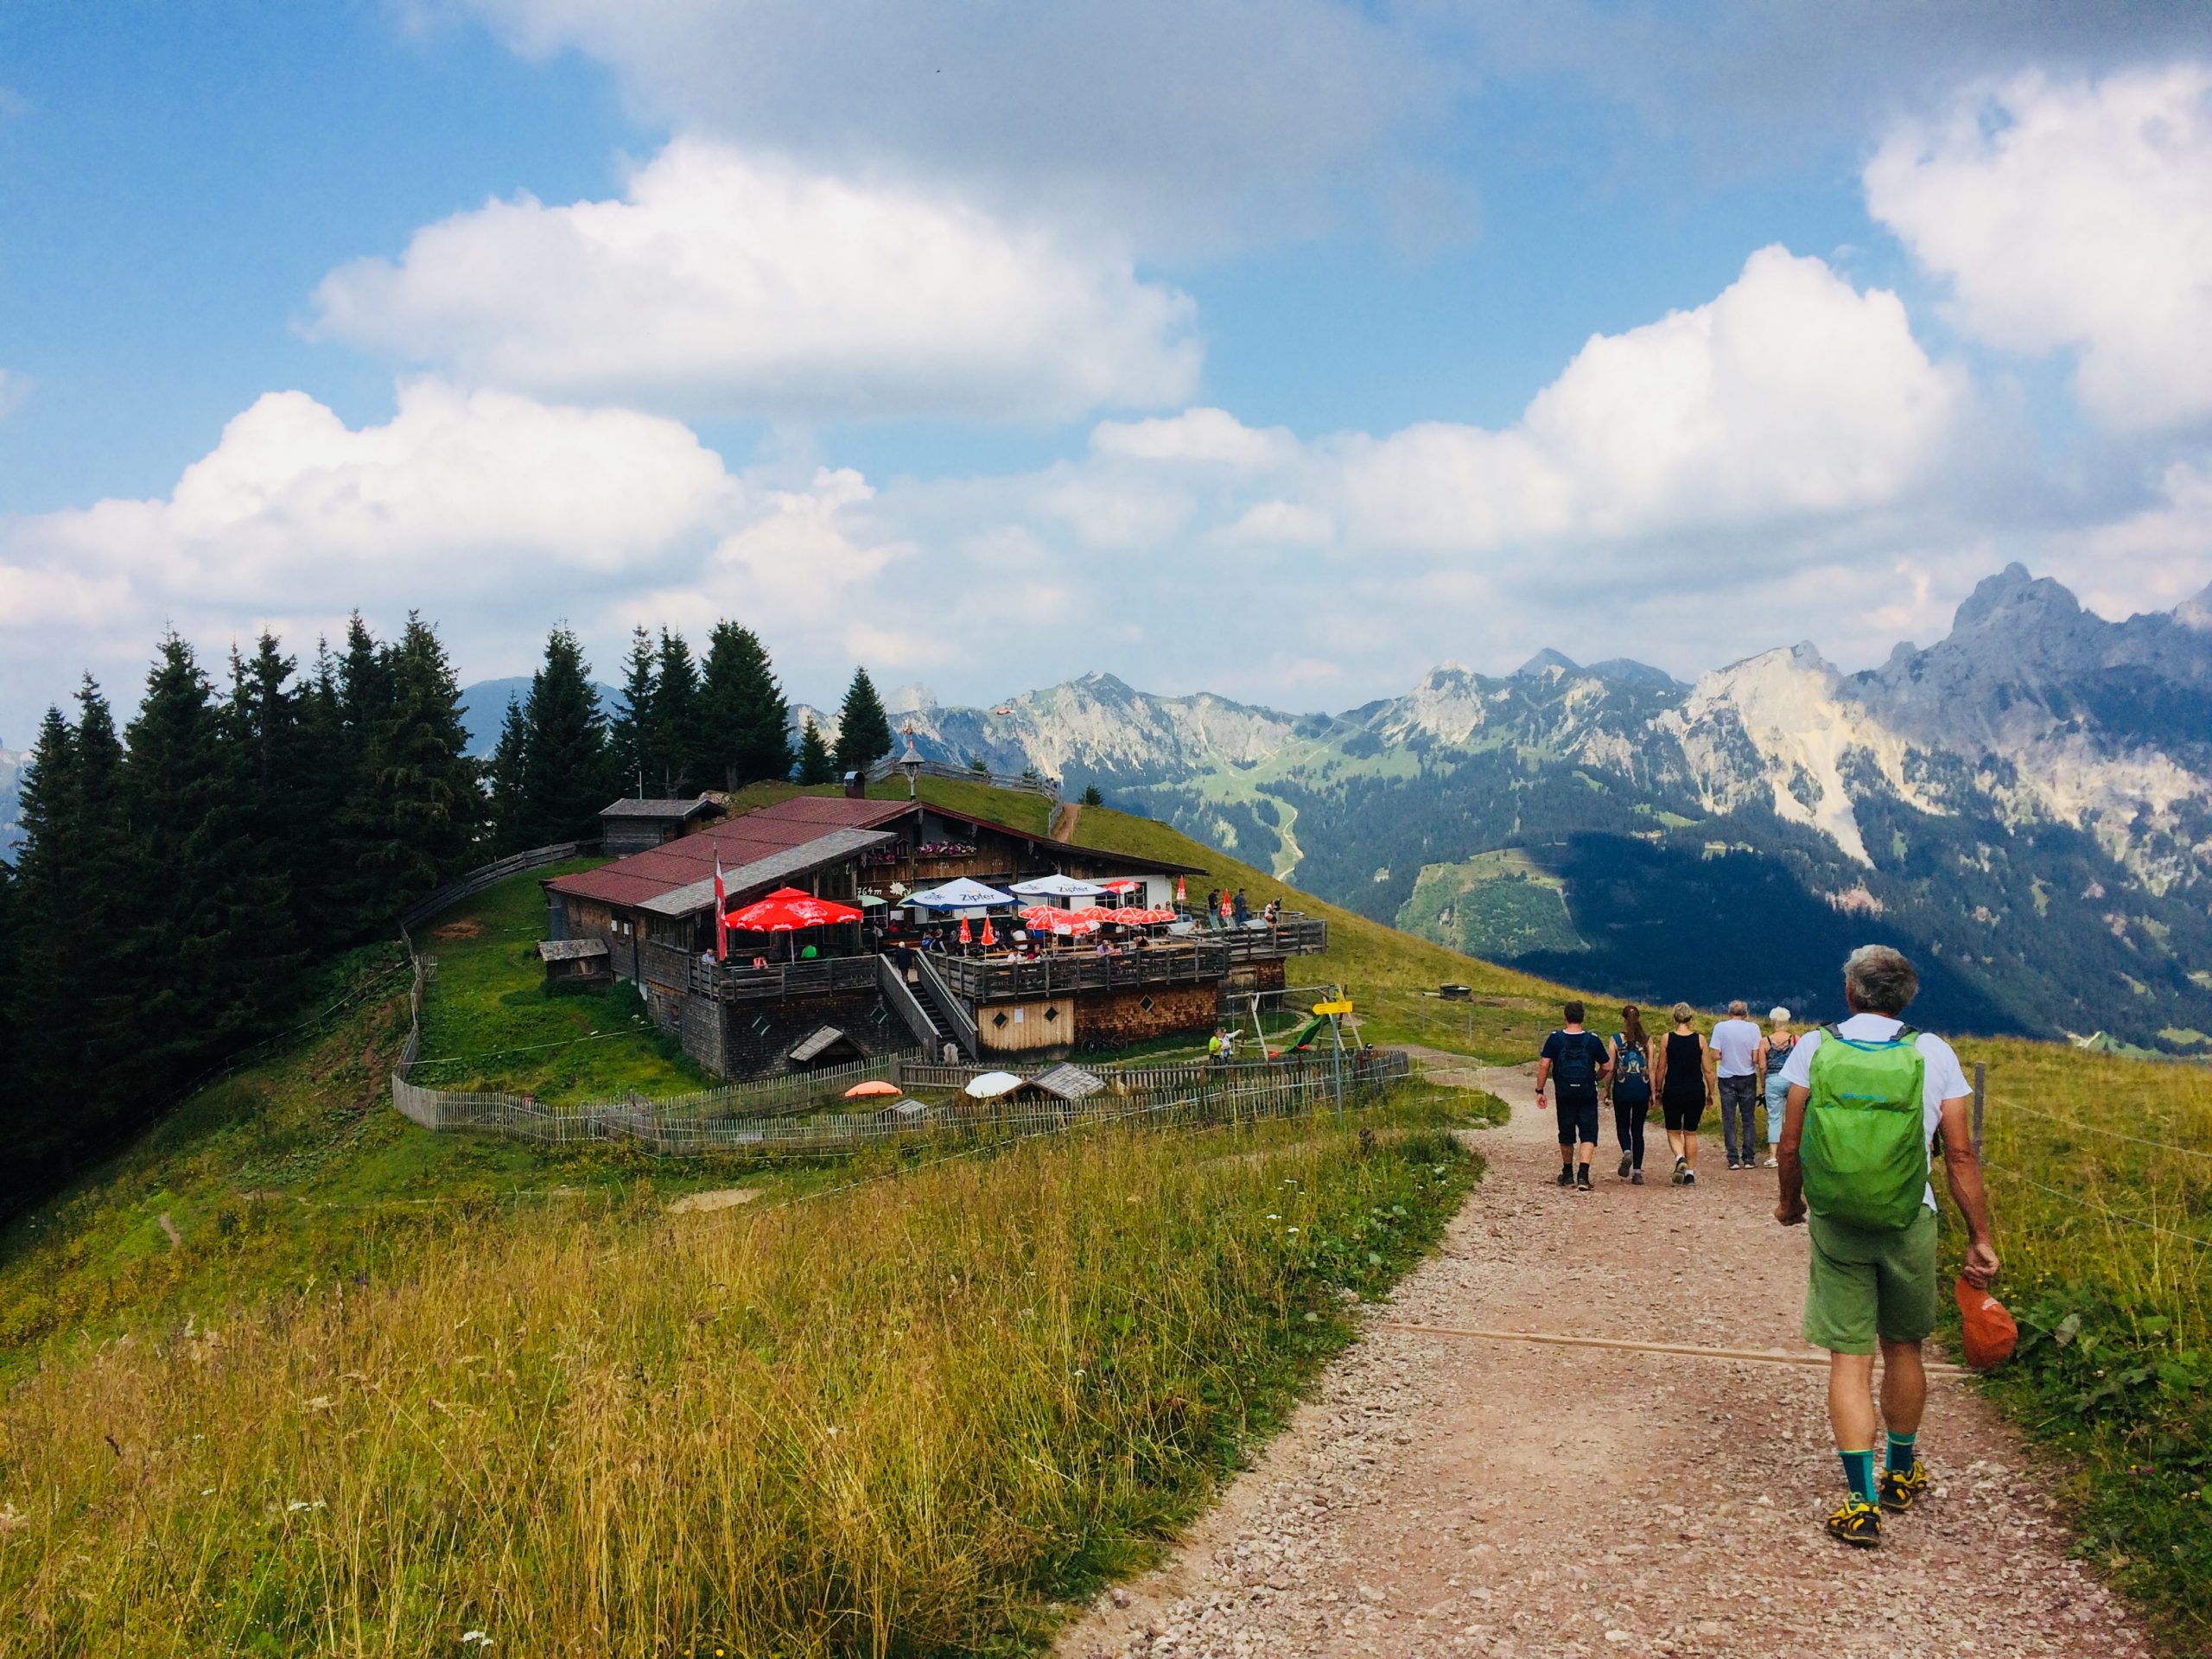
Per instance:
x=2101, y=1175
x=918, y=1413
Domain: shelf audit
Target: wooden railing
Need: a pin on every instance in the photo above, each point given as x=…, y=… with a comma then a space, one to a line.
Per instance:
x=1198, y=958
x=947, y=1002
x=903, y=1002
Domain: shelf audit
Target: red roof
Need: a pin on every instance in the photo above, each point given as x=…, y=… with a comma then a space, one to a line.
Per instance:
x=770, y=829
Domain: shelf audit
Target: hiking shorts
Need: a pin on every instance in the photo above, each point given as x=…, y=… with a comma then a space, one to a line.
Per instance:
x=1866, y=1284
x=1577, y=1120
x=1683, y=1115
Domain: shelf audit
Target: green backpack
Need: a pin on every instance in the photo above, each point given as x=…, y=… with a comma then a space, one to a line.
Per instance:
x=1865, y=1155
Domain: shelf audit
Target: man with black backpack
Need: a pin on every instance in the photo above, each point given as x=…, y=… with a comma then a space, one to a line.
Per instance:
x=1580, y=1062
x=1866, y=1095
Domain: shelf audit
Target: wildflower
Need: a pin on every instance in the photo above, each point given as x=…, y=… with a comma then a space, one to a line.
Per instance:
x=299, y=1503
x=472, y=1638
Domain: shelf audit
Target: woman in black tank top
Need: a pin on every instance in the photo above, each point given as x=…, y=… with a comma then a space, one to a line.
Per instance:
x=1685, y=1083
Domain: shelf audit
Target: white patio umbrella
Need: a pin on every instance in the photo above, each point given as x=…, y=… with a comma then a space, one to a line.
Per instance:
x=960, y=895
x=1058, y=887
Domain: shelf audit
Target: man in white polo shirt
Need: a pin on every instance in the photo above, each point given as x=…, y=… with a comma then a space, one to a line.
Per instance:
x=1736, y=1068
x=1873, y=1248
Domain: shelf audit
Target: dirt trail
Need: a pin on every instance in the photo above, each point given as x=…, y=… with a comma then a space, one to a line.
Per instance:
x=1453, y=1496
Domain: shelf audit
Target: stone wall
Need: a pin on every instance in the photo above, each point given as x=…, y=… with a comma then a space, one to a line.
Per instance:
x=1110, y=1019
x=751, y=1040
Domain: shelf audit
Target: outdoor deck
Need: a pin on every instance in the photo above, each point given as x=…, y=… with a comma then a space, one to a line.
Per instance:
x=1196, y=958
x=981, y=981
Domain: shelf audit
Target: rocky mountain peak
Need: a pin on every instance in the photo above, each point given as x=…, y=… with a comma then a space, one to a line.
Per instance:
x=1548, y=661
x=2195, y=612
x=2014, y=599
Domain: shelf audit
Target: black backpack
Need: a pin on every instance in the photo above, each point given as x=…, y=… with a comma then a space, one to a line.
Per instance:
x=1577, y=1068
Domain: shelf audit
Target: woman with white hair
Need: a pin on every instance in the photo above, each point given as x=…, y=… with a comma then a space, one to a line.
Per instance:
x=1774, y=1054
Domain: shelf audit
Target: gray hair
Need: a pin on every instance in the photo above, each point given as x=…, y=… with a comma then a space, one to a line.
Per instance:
x=1739, y=1009
x=1878, y=979
x=1777, y=1015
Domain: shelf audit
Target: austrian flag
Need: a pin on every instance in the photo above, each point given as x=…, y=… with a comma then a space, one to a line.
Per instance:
x=721, y=922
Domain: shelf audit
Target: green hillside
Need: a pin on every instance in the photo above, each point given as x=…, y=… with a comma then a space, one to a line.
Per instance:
x=403, y=1322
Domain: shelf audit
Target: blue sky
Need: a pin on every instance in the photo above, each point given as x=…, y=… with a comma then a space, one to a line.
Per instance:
x=990, y=344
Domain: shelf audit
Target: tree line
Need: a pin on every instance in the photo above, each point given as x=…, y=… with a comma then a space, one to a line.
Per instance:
x=178, y=872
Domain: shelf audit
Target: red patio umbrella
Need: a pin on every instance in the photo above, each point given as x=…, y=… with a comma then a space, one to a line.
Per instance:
x=1122, y=884
x=1182, y=895
x=990, y=937
x=787, y=910
x=966, y=937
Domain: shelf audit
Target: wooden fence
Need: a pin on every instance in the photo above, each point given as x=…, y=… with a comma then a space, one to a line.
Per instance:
x=485, y=875
x=801, y=1114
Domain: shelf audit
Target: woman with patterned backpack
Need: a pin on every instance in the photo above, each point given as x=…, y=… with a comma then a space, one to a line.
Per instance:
x=1631, y=1091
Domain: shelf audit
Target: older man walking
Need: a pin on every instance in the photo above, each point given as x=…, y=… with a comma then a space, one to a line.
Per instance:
x=1736, y=1068
x=1866, y=1095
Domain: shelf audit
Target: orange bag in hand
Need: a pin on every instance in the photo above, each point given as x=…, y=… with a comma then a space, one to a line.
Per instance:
x=1991, y=1335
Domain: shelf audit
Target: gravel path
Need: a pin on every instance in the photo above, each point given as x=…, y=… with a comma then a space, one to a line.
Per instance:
x=1455, y=1496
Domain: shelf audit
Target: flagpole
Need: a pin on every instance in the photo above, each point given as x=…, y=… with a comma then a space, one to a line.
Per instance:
x=722, y=918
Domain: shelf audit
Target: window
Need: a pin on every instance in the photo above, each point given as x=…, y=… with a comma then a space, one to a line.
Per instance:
x=1051, y=1015
x=998, y=1019
x=1144, y=1003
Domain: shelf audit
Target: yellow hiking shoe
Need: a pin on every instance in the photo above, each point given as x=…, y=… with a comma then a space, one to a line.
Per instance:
x=1857, y=1524
x=1899, y=1491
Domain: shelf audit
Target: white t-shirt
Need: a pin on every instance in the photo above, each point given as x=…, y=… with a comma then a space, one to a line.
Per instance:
x=1737, y=1044
x=1941, y=1079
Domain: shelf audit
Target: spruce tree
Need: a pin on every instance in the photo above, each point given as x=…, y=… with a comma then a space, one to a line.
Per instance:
x=358, y=900
x=428, y=789
x=260, y=836
x=566, y=776
x=45, y=997
x=509, y=772
x=675, y=765
x=322, y=784
x=629, y=729
x=816, y=764
x=183, y=823
x=863, y=729
x=747, y=720
x=1091, y=797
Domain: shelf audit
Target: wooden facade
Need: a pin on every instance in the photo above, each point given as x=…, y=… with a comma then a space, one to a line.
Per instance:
x=756, y=1011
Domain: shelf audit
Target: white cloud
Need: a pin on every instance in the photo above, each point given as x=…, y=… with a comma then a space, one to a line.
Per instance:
x=727, y=283
x=1209, y=435
x=1791, y=395
x=495, y=514
x=2073, y=215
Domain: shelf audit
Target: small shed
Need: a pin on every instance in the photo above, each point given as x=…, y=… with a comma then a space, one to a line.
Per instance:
x=1067, y=1083
x=629, y=826
x=576, y=964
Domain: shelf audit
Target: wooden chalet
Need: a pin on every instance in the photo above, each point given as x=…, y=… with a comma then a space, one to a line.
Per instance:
x=636, y=825
x=765, y=1008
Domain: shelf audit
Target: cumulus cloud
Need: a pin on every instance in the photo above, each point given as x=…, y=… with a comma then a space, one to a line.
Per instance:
x=727, y=283
x=1791, y=395
x=2073, y=216
x=1179, y=123
x=1208, y=436
x=493, y=512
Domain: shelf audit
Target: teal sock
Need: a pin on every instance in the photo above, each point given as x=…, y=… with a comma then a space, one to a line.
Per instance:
x=1858, y=1472
x=1901, y=1454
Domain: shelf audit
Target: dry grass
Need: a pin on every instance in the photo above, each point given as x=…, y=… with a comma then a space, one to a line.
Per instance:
x=905, y=1417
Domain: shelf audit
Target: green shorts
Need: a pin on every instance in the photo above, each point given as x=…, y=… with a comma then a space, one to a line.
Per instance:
x=1869, y=1284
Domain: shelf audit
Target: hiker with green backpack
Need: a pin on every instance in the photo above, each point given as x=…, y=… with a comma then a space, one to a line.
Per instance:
x=1867, y=1098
